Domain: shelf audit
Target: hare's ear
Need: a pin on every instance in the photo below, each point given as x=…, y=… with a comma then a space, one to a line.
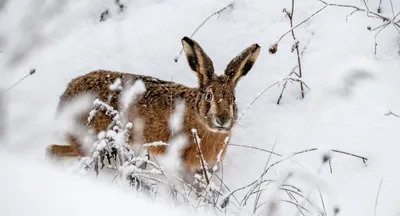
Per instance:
x=241, y=64
x=198, y=61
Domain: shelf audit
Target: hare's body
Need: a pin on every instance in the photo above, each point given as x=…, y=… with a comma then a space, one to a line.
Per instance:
x=154, y=107
x=210, y=108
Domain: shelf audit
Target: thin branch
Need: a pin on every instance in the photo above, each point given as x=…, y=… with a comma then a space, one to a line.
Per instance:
x=395, y=17
x=281, y=94
x=31, y=72
x=391, y=5
x=372, y=14
x=376, y=15
x=376, y=36
x=254, y=100
x=301, y=23
x=256, y=148
x=176, y=59
x=377, y=197
x=201, y=157
x=287, y=201
x=364, y=159
x=378, y=27
x=379, y=7
x=259, y=185
x=297, y=49
x=351, y=14
x=293, y=198
x=391, y=113
x=322, y=201
x=297, y=80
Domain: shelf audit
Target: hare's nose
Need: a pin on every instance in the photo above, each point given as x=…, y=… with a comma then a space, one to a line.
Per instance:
x=223, y=121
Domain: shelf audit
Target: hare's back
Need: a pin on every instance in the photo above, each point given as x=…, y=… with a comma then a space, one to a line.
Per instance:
x=98, y=83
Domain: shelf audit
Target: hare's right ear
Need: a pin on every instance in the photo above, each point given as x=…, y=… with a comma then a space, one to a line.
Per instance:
x=198, y=61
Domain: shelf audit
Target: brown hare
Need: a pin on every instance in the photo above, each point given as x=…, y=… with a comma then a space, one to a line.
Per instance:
x=210, y=108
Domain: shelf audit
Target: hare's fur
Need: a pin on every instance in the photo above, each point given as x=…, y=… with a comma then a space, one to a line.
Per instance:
x=213, y=101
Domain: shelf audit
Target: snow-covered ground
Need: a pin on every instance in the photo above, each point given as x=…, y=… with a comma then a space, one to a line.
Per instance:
x=146, y=38
x=32, y=188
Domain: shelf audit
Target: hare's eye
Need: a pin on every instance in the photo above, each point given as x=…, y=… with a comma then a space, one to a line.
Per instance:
x=209, y=96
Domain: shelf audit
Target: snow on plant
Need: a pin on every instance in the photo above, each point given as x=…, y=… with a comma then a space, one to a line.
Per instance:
x=112, y=149
x=226, y=142
x=68, y=115
x=171, y=161
x=176, y=119
x=129, y=96
x=116, y=85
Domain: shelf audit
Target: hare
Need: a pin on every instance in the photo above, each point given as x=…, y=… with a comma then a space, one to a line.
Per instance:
x=210, y=108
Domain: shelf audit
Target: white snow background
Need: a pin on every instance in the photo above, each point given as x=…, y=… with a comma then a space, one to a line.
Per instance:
x=146, y=38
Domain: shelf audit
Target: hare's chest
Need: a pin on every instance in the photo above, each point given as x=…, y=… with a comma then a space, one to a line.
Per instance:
x=213, y=146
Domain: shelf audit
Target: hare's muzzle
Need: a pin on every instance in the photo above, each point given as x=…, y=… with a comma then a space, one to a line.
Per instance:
x=222, y=123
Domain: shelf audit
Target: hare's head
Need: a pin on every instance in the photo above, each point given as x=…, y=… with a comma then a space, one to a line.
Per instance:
x=216, y=101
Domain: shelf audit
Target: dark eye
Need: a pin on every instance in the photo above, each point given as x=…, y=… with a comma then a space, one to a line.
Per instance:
x=209, y=96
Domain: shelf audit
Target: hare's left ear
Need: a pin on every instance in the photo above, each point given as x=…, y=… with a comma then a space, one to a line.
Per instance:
x=241, y=64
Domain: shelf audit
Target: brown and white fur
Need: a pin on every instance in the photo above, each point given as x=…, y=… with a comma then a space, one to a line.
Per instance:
x=210, y=108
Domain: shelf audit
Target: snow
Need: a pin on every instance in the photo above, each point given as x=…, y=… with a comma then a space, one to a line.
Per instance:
x=32, y=188
x=145, y=38
x=176, y=118
x=128, y=97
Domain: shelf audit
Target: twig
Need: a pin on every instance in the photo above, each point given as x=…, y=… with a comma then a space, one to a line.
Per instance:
x=281, y=94
x=291, y=192
x=356, y=8
x=377, y=197
x=287, y=201
x=322, y=201
x=201, y=157
x=256, y=148
x=391, y=4
x=379, y=7
x=388, y=21
x=259, y=185
x=297, y=49
x=376, y=36
x=254, y=100
x=176, y=59
x=226, y=186
x=301, y=23
x=297, y=80
x=391, y=113
x=31, y=72
x=293, y=198
x=364, y=159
